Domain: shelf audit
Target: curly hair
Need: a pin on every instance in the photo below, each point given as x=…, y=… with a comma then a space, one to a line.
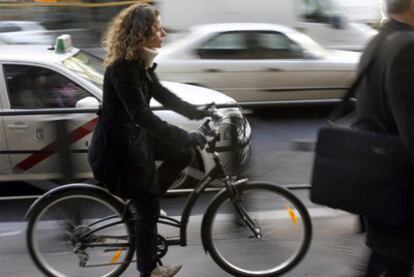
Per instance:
x=128, y=31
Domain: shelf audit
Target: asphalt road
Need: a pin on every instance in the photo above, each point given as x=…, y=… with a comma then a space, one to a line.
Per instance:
x=282, y=141
x=277, y=156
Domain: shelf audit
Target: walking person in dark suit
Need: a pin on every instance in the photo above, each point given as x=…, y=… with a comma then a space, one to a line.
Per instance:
x=131, y=136
x=387, y=96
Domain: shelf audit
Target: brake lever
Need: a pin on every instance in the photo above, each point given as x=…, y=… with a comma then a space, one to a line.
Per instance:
x=212, y=106
x=206, y=125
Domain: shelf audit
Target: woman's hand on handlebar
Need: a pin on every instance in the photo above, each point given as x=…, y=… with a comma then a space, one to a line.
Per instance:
x=197, y=138
x=211, y=111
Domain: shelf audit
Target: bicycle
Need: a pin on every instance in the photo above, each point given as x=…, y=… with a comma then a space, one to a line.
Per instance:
x=249, y=228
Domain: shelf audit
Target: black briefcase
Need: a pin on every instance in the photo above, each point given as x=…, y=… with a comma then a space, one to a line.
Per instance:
x=362, y=172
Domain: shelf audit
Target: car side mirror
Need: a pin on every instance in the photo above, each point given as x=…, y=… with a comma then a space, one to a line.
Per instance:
x=87, y=102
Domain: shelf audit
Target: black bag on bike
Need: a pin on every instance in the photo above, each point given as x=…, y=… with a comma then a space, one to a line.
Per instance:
x=362, y=172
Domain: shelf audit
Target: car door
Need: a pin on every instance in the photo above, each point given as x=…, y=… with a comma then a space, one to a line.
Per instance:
x=285, y=71
x=4, y=155
x=33, y=140
x=224, y=64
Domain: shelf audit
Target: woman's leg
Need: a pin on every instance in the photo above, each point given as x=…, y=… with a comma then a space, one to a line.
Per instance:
x=376, y=265
x=174, y=160
x=379, y=264
x=148, y=209
x=171, y=168
x=397, y=269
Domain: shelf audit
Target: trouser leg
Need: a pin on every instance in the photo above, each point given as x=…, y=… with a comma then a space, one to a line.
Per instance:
x=398, y=269
x=171, y=169
x=148, y=208
x=376, y=265
x=379, y=264
x=174, y=160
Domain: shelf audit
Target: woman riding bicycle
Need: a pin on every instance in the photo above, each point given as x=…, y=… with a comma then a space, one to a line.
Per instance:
x=129, y=137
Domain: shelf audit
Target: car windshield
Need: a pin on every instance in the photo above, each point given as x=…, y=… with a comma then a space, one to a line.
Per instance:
x=88, y=66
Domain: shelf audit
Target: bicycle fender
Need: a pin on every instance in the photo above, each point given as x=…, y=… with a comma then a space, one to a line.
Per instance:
x=60, y=189
x=204, y=229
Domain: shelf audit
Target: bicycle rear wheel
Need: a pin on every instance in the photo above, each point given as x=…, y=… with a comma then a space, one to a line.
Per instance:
x=282, y=220
x=80, y=233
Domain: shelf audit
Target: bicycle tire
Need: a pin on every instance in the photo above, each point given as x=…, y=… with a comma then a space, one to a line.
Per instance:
x=231, y=245
x=44, y=226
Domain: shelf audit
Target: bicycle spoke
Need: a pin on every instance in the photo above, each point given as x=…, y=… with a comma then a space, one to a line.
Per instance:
x=271, y=222
x=81, y=236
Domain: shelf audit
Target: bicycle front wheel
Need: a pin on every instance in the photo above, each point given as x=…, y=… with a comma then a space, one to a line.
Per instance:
x=280, y=239
x=80, y=233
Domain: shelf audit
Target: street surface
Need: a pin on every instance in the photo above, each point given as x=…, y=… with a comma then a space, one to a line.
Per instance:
x=279, y=138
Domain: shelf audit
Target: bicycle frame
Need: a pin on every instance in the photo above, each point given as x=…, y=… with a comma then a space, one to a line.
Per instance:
x=216, y=172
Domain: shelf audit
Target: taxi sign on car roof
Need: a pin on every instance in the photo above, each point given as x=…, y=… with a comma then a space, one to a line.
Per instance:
x=63, y=43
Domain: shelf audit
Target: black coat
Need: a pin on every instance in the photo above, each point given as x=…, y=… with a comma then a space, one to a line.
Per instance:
x=387, y=95
x=127, y=125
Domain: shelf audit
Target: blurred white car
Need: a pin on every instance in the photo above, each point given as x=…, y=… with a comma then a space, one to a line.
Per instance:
x=24, y=32
x=34, y=78
x=258, y=64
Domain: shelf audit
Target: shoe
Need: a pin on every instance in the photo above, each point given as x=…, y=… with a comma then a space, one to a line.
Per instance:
x=166, y=270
